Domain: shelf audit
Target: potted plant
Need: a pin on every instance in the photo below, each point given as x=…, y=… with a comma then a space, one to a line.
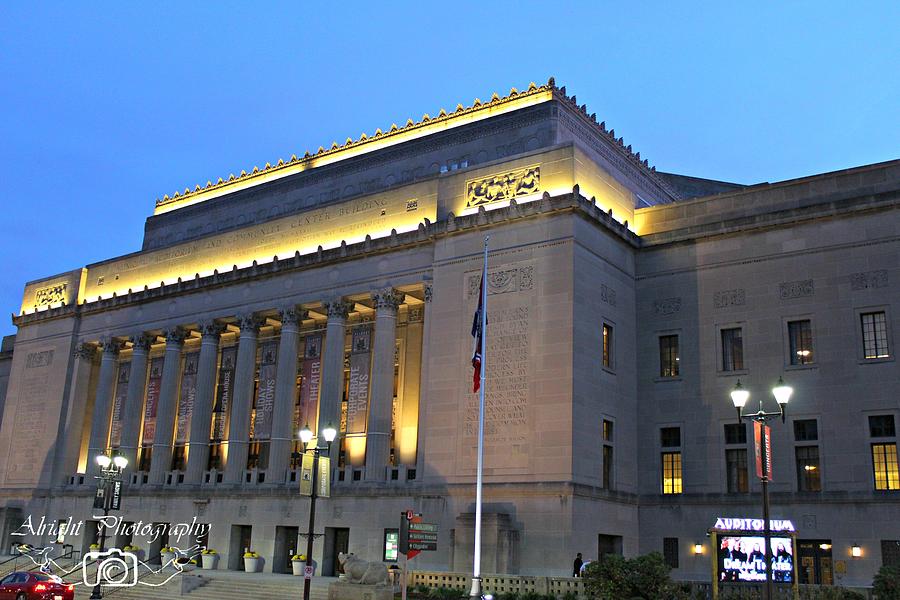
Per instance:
x=134, y=550
x=251, y=561
x=166, y=555
x=298, y=561
x=209, y=558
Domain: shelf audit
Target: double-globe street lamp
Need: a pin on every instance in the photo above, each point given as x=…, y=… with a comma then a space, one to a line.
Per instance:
x=306, y=436
x=739, y=397
x=110, y=482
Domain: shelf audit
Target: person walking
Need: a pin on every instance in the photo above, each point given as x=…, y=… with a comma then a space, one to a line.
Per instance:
x=576, y=566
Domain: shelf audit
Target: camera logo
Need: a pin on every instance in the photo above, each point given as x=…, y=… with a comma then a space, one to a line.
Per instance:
x=114, y=568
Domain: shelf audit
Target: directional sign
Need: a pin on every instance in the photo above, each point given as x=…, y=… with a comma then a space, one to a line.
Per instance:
x=416, y=536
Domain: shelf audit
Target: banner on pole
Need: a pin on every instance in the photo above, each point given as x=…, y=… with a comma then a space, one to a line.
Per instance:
x=763, y=442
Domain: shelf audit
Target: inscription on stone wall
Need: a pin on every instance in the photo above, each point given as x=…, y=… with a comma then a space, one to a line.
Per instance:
x=506, y=393
x=608, y=295
x=727, y=298
x=869, y=279
x=796, y=289
x=50, y=295
x=667, y=306
x=503, y=280
x=36, y=360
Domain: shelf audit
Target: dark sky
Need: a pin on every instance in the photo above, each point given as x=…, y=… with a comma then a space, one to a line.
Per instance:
x=107, y=106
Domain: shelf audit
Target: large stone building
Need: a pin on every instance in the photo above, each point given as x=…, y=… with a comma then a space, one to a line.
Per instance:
x=339, y=287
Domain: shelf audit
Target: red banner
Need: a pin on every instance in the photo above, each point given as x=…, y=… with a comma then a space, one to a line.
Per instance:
x=265, y=396
x=115, y=428
x=152, y=401
x=186, y=400
x=306, y=410
x=763, y=442
x=358, y=389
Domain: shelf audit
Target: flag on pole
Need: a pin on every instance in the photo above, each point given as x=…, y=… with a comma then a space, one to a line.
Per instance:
x=477, y=333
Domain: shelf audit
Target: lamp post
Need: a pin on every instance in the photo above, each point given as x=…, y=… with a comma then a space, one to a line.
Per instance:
x=306, y=435
x=111, y=468
x=739, y=397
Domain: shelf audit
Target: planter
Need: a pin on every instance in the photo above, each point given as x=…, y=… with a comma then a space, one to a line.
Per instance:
x=209, y=561
x=166, y=557
x=251, y=565
x=297, y=566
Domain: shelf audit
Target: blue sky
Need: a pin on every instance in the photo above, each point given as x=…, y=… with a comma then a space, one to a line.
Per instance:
x=107, y=106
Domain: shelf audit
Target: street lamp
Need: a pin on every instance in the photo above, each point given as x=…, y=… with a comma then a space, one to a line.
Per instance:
x=739, y=397
x=306, y=435
x=110, y=481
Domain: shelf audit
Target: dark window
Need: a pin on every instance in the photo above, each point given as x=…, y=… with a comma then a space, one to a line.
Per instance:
x=671, y=472
x=736, y=469
x=668, y=356
x=874, y=331
x=145, y=458
x=607, y=345
x=884, y=463
x=670, y=551
x=800, y=334
x=806, y=430
x=735, y=433
x=882, y=426
x=732, y=349
x=670, y=437
x=809, y=477
x=178, y=457
x=607, y=430
x=890, y=553
x=215, y=457
x=607, y=466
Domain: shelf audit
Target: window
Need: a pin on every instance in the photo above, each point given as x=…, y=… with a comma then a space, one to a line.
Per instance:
x=874, y=332
x=800, y=336
x=732, y=349
x=736, y=470
x=671, y=472
x=735, y=433
x=670, y=551
x=882, y=426
x=607, y=453
x=607, y=345
x=884, y=461
x=808, y=472
x=670, y=437
x=668, y=356
x=806, y=430
x=890, y=553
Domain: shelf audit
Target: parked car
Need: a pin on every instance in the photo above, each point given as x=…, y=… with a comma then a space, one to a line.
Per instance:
x=27, y=585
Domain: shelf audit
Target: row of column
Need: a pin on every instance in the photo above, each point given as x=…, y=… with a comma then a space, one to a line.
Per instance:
x=387, y=303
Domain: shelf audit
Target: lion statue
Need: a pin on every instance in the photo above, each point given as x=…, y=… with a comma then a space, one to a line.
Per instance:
x=362, y=571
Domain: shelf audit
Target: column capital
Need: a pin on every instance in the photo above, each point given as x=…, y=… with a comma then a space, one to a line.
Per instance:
x=429, y=291
x=292, y=316
x=210, y=330
x=250, y=322
x=141, y=341
x=388, y=300
x=84, y=351
x=175, y=336
x=110, y=346
x=338, y=309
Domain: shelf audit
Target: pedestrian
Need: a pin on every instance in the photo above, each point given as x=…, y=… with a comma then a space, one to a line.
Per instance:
x=576, y=566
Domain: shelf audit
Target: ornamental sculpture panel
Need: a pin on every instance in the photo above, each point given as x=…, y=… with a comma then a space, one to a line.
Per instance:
x=50, y=295
x=504, y=186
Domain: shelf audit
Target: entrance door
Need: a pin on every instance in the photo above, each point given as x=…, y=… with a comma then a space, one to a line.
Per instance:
x=815, y=562
x=285, y=547
x=337, y=540
x=240, y=543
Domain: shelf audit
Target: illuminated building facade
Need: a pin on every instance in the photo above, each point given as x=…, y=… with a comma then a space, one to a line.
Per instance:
x=339, y=287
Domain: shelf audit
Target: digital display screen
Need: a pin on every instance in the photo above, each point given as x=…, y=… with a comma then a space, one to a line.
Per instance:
x=742, y=558
x=391, y=545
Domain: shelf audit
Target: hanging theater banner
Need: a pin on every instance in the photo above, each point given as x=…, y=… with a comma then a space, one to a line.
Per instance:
x=115, y=428
x=152, y=402
x=186, y=402
x=306, y=410
x=358, y=391
x=223, y=394
x=265, y=396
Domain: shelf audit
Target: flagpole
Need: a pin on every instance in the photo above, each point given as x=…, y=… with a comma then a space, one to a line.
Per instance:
x=476, y=572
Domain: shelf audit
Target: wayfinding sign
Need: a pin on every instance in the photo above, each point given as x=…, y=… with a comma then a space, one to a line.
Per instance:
x=416, y=536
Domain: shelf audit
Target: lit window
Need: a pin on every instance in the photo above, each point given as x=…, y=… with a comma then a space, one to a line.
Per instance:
x=732, y=349
x=668, y=356
x=874, y=331
x=607, y=430
x=671, y=472
x=607, y=345
x=809, y=478
x=800, y=334
x=884, y=461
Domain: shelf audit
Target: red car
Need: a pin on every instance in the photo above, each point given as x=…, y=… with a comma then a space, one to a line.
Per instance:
x=25, y=585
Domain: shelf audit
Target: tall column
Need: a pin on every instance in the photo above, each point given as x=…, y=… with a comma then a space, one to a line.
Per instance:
x=424, y=385
x=103, y=402
x=161, y=461
x=244, y=375
x=333, y=369
x=285, y=392
x=134, y=401
x=378, y=432
x=69, y=451
x=201, y=419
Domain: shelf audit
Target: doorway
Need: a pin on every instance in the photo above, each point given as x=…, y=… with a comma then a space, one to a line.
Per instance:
x=815, y=562
x=337, y=540
x=90, y=536
x=240, y=543
x=158, y=544
x=285, y=547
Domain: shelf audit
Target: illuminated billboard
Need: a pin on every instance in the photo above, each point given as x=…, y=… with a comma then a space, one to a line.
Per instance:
x=742, y=559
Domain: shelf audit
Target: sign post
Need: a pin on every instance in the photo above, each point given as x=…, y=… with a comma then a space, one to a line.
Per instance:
x=415, y=537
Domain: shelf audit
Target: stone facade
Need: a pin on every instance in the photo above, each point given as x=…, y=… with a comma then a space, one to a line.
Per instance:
x=339, y=288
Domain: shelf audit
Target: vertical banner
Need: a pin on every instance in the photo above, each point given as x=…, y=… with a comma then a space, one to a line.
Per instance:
x=186, y=401
x=152, y=401
x=265, y=396
x=115, y=428
x=306, y=410
x=222, y=407
x=763, y=439
x=358, y=392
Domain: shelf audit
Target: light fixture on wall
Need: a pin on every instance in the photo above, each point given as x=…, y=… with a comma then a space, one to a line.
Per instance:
x=855, y=551
x=698, y=549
